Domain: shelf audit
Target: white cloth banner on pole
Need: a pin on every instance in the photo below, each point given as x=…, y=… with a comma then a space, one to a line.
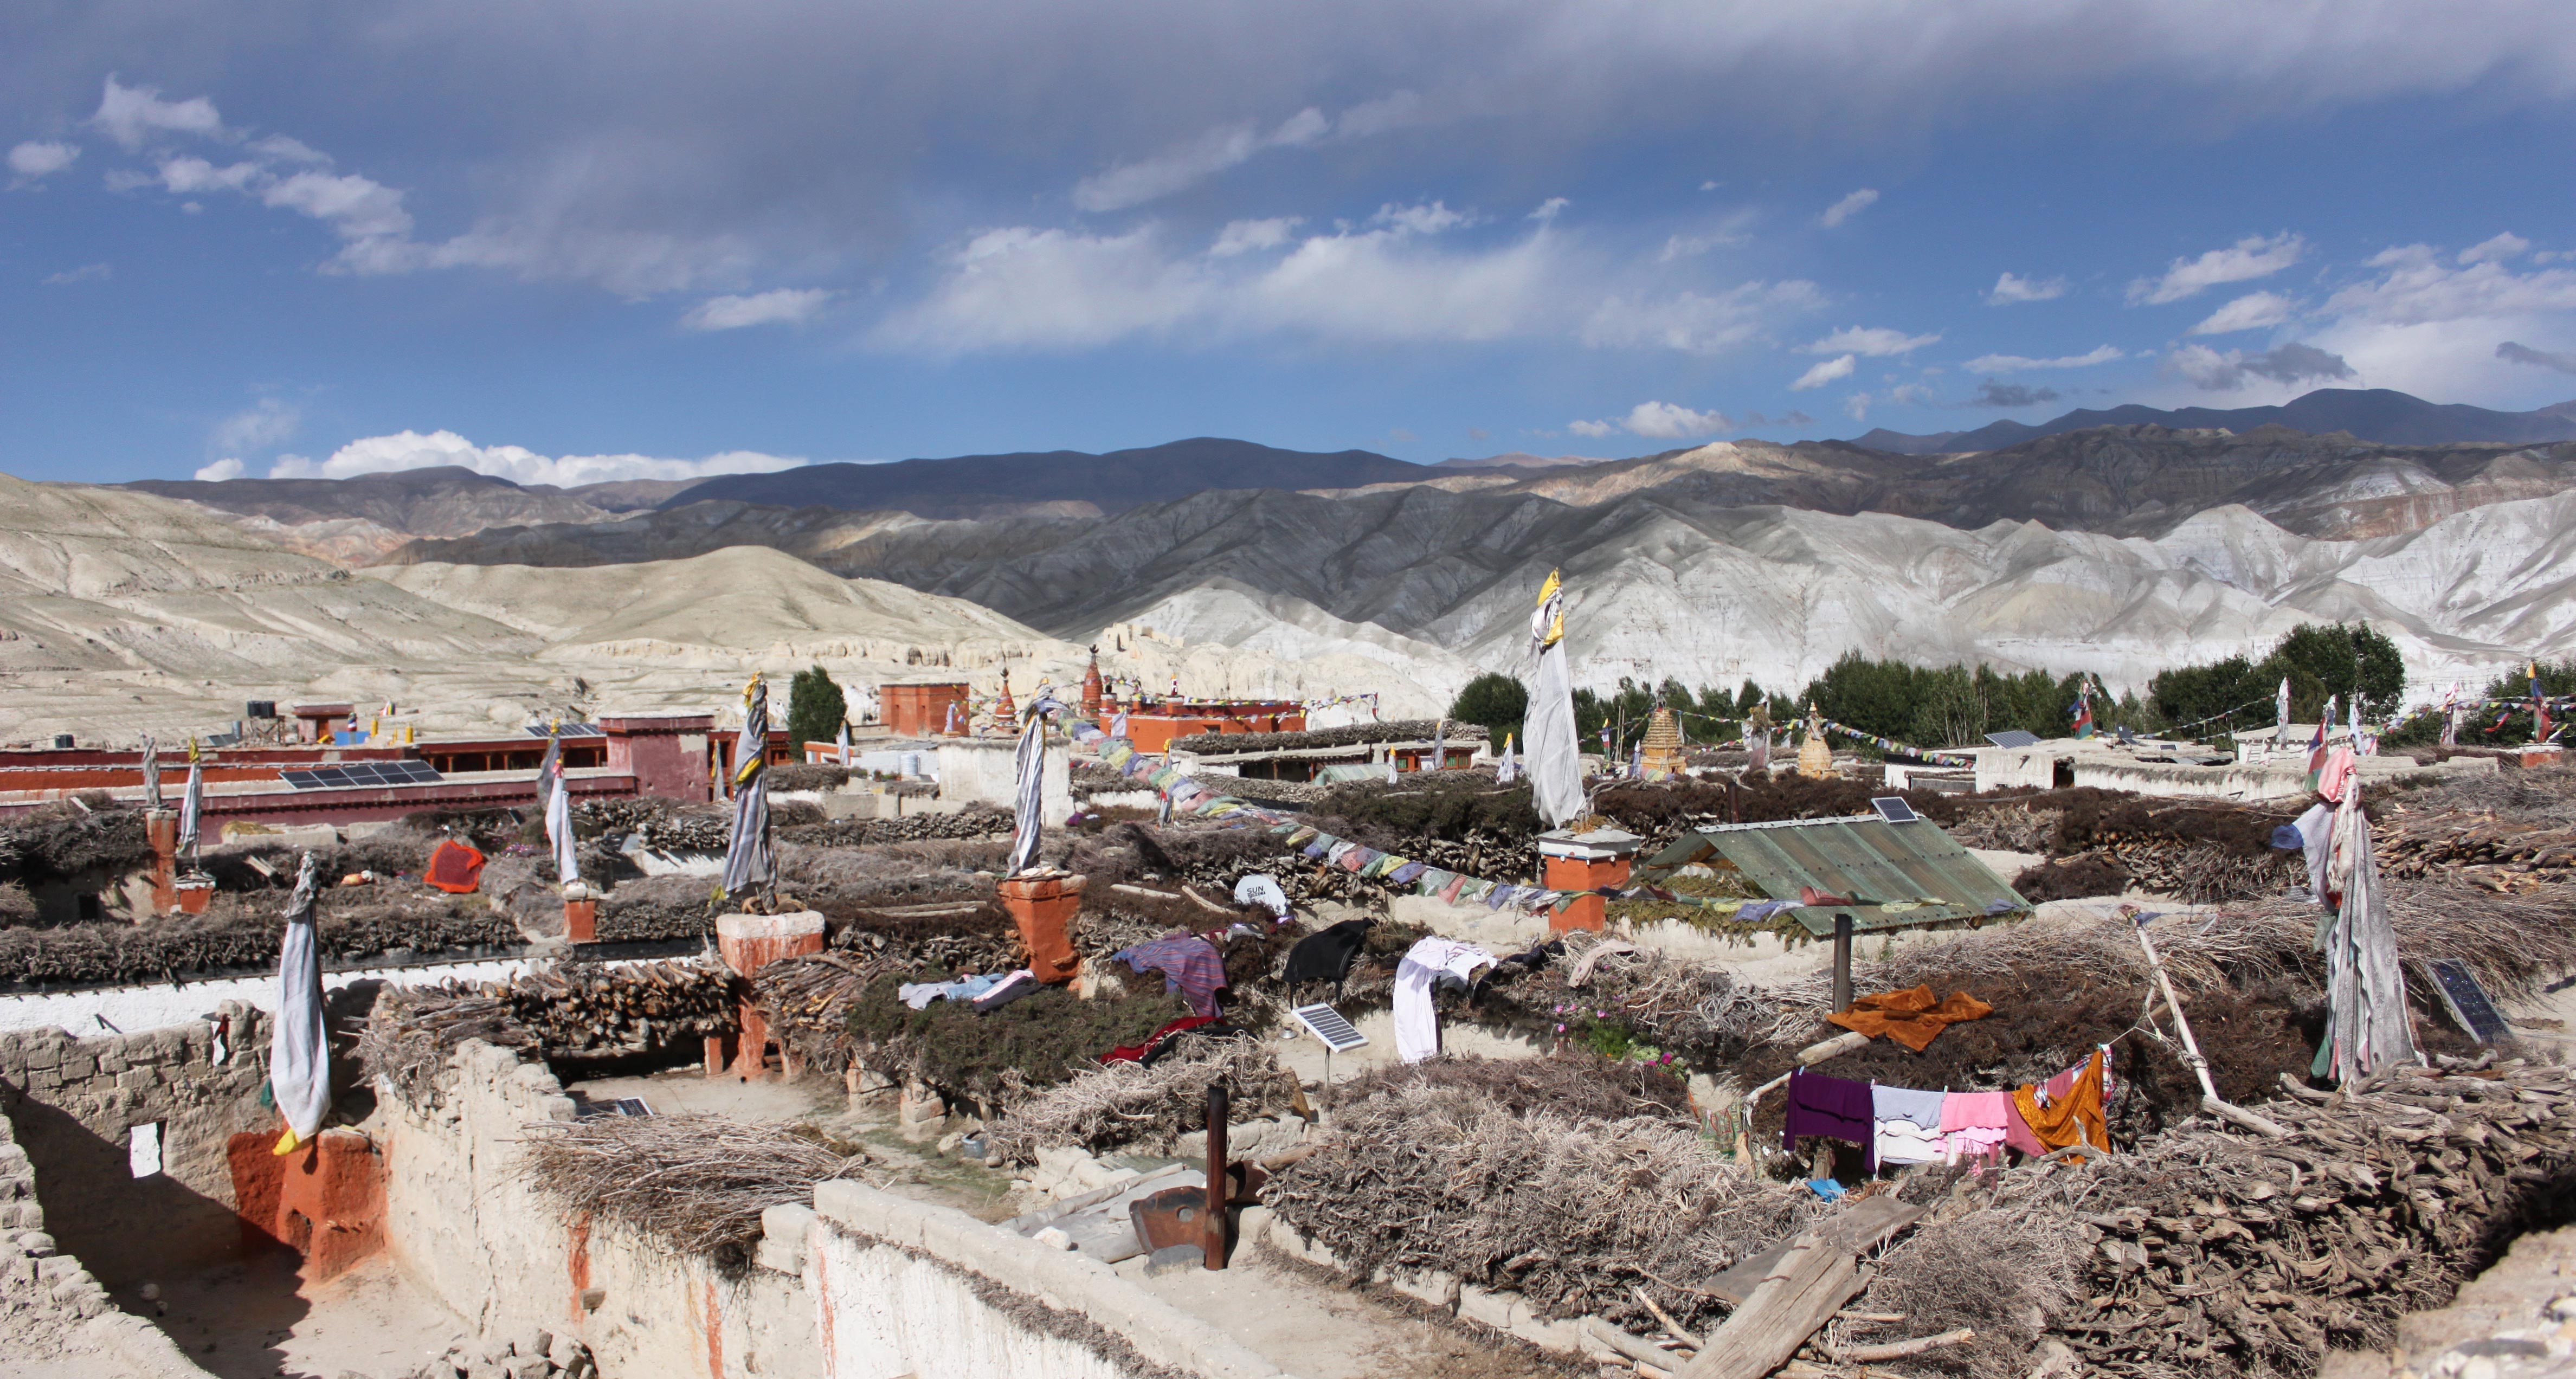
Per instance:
x=299, y=1057
x=1555, y=760
x=192, y=805
x=1028, y=787
x=747, y=855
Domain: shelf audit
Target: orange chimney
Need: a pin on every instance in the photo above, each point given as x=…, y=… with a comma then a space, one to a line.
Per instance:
x=1091, y=698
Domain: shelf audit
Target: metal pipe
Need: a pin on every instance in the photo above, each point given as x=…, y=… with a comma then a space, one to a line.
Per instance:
x=1842, y=960
x=1218, y=1188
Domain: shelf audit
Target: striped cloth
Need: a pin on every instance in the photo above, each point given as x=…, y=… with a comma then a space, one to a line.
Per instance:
x=1190, y=966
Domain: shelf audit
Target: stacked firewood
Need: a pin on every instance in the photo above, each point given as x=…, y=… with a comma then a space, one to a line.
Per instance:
x=806, y=1001
x=2217, y=1251
x=573, y=1010
x=2483, y=850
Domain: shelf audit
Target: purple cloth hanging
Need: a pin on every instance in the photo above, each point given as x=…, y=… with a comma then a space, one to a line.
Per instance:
x=1190, y=966
x=1833, y=1107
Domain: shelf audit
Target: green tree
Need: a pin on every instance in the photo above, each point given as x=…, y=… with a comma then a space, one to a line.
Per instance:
x=1495, y=701
x=1950, y=714
x=815, y=707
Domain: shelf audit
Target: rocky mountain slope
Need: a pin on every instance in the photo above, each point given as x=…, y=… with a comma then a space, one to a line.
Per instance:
x=122, y=612
x=2373, y=414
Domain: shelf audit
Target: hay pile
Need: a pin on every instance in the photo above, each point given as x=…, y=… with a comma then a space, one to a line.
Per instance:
x=1128, y=1105
x=1037, y=1041
x=62, y=840
x=240, y=931
x=973, y=821
x=566, y=1011
x=1533, y=1189
x=1352, y=735
x=696, y=1184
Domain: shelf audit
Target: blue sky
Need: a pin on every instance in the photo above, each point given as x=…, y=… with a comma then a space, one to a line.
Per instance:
x=646, y=239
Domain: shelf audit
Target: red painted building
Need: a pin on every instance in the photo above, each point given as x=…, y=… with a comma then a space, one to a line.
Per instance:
x=921, y=709
x=1153, y=725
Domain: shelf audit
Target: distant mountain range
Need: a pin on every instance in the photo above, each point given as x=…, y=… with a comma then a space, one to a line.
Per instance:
x=972, y=485
x=2371, y=414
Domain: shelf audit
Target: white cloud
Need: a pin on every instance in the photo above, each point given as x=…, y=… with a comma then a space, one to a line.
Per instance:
x=411, y=450
x=1849, y=206
x=2253, y=311
x=359, y=208
x=1669, y=421
x=131, y=115
x=2014, y=363
x=2287, y=365
x=2251, y=257
x=1857, y=406
x=1874, y=341
x=2417, y=287
x=783, y=306
x=87, y=272
x=1027, y=288
x=1730, y=233
x=2010, y=289
x=190, y=176
x=2507, y=245
x=265, y=424
x=2426, y=322
x=1246, y=236
x=1695, y=322
x=1150, y=179
x=1548, y=209
x=286, y=150
x=32, y=159
x=1824, y=373
x=220, y=470
x=1595, y=429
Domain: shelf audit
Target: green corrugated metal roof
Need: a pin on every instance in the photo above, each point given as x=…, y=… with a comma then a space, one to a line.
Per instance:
x=1874, y=862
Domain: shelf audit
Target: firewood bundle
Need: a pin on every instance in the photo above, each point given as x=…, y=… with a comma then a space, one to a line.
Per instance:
x=565, y=1011
x=2500, y=855
x=2201, y=873
x=2215, y=1251
x=806, y=1001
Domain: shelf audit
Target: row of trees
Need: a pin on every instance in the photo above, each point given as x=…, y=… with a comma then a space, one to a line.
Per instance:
x=1953, y=706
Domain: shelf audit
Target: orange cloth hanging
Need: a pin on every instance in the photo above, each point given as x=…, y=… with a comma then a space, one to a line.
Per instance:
x=2057, y=1125
x=1910, y=1018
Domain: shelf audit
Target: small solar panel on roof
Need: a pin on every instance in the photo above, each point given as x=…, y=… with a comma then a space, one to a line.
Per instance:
x=2013, y=738
x=566, y=730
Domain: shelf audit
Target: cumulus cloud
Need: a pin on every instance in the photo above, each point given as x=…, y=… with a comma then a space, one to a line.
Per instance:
x=1993, y=394
x=784, y=306
x=1248, y=236
x=2253, y=311
x=32, y=160
x=86, y=273
x=412, y=450
x=133, y=115
x=1849, y=206
x=1729, y=234
x=2211, y=371
x=2507, y=245
x=2010, y=289
x=2251, y=257
x=264, y=425
x=1874, y=341
x=2016, y=363
x=1825, y=373
x=1658, y=421
x=220, y=470
x=2525, y=354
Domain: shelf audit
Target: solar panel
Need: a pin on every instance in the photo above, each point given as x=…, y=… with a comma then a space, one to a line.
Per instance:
x=539, y=730
x=1893, y=808
x=2013, y=737
x=362, y=774
x=2468, y=1003
x=1327, y=1024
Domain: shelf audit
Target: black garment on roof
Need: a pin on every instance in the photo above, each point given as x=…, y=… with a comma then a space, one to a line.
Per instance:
x=1326, y=955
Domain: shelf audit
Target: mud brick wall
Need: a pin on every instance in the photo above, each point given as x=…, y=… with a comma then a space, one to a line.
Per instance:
x=75, y=1102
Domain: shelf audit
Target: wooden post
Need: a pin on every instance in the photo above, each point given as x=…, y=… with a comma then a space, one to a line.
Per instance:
x=1218, y=1190
x=2210, y=1101
x=1842, y=961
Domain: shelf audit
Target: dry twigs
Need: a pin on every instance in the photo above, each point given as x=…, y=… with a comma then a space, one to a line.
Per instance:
x=1131, y=1104
x=570, y=1010
x=695, y=1183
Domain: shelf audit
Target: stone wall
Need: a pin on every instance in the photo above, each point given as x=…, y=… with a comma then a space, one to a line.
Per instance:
x=51, y=1305
x=76, y=1104
x=462, y=1224
x=902, y=1287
